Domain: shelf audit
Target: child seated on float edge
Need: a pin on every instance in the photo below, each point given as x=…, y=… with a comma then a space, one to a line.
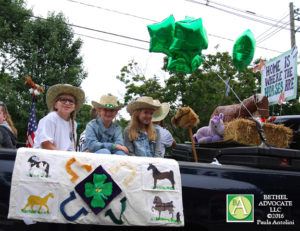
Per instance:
x=102, y=134
x=8, y=132
x=141, y=137
x=57, y=130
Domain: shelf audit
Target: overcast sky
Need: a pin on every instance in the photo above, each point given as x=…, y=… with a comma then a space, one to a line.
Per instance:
x=104, y=60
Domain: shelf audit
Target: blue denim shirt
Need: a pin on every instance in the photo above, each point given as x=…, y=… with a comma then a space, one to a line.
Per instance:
x=141, y=146
x=98, y=137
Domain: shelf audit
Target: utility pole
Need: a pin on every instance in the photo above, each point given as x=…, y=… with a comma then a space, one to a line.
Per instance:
x=292, y=25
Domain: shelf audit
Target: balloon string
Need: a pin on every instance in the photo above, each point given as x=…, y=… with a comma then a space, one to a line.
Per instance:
x=227, y=85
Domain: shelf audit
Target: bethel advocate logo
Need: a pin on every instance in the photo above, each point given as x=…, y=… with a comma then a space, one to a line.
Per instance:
x=239, y=208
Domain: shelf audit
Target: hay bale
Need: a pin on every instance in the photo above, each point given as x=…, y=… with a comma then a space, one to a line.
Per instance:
x=245, y=132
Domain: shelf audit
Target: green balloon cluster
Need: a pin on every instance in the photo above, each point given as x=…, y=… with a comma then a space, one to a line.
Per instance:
x=243, y=50
x=182, y=41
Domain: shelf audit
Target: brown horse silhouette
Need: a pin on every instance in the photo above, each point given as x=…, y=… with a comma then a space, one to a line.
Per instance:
x=257, y=103
x=157, y=175
x=160, y=206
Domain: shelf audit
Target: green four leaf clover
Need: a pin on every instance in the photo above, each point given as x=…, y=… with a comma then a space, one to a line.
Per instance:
x=99, y=190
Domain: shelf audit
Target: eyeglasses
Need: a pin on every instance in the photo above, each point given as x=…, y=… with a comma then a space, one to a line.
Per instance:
x=65, y=100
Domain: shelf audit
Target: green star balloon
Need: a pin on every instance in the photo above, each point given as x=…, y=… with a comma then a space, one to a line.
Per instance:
x=243, y=50
x=162, y=35
x=190, y=35
x=178, y=64
x=185, y=64
x=190, y=39
x=182, y=42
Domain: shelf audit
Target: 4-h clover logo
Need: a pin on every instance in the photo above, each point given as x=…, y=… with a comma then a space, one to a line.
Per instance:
x=98, y=189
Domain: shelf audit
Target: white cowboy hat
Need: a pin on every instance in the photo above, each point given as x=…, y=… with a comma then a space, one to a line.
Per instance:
x=162, y=112
x=142, y=103
x=68, y=89
x=107, y=101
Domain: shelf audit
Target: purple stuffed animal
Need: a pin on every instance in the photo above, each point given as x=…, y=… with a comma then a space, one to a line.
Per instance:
x=211, y=133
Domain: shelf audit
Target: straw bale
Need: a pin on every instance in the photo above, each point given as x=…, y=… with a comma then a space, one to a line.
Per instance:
x=245, y=132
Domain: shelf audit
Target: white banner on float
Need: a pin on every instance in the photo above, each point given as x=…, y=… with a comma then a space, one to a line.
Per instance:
x=100, y=189
x=279, y=77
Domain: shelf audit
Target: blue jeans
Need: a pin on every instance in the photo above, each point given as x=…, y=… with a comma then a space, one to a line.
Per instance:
x=106, y=151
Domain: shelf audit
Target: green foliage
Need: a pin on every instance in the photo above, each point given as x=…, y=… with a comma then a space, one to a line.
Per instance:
x=13, y=17
x=43, y=49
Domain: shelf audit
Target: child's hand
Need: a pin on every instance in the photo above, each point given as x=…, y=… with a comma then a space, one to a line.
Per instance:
x=123, y=148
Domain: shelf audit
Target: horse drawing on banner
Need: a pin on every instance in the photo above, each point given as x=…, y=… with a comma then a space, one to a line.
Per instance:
x=160, y=206
x=38, y=167
x=256, y=104
x=36, y=200
x=157, y=175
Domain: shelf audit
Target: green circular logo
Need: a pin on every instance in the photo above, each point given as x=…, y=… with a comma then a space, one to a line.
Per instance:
x=240, y=207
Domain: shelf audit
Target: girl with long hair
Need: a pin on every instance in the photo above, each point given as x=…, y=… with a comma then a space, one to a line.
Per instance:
x=141, y=138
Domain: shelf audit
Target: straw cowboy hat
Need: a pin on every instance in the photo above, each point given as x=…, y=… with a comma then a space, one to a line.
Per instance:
x=160, y=113
x=60, y=89
x=108, y=101
x=141, y=103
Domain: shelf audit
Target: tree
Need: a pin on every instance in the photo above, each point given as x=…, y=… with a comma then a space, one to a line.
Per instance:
x=13, y=17
x=46, y=51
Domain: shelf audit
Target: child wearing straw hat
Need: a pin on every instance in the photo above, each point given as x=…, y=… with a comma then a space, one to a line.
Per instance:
x=102, y=134
x=57, y=130
x=159, y=115
x=140, y=137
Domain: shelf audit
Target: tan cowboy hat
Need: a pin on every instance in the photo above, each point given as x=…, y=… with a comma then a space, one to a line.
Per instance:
x=162, y=112
x=141, y=103
x=60, y=89
x=108, y=101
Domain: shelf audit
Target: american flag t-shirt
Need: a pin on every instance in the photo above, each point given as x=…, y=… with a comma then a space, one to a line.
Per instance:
x=32, y=126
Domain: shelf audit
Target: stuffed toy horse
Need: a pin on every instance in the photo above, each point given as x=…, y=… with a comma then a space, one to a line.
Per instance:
x=256, y=104
x=35, y=89
x=186, y=118
x=211, y=133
